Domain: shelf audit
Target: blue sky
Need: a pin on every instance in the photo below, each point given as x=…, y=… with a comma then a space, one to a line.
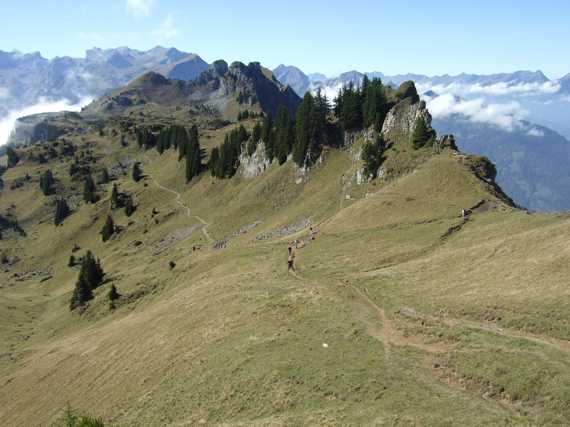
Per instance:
x=397, y=36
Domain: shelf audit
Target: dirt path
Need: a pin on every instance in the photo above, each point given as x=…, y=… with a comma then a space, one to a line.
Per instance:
x=391, y=336
x=180, y=203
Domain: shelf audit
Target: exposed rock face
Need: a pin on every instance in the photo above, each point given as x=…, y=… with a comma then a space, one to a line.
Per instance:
x=446, y=142
x=254, y=165
x=216, y=89
x=402, y=118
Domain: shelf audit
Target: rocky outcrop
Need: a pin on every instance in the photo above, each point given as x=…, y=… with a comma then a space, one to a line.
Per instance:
x=402, y=118
x=254, y=165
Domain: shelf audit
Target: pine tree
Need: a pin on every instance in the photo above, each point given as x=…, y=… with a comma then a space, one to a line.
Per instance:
x=47, y=183
x=372, y=157
x=137, y=172
x=90, y=277
x=62, y=211
x=130, y=207
x=108, y=229
x=89, y=190
x=71, y=262
x=113, y=294
x=13, y=157
x=423, y=134
x=193, y=155
x=81, y=294
x=304, y=130
x=115, y=199
x=104, y=177
x=214, y=164
x=283, y=134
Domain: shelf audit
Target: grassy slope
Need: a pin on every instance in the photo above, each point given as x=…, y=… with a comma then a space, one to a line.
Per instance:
x=471, y=329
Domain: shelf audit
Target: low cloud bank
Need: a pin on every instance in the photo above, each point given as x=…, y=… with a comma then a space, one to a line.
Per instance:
x=507, y=115
x=497, y=89
x=44, y=106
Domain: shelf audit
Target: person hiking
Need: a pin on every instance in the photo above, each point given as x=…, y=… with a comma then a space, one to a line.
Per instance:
x=290, y=259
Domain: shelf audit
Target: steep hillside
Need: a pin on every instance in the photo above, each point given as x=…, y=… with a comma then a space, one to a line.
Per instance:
x=223, y=89
x=401, y=310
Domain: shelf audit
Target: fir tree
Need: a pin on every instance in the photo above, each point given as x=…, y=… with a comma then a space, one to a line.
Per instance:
x=13, y=157
x=130, y=207
x=215, y=164
x=115, y=198
x=113, y=294
x=193, y=155
x=62, y=211
x=104, y=177
x=423, y=134
x=89, y=190
x=283, y=134
x=71, y=262
x=372, y=157
x=47, y=183
x=304, y=130
x=81, y=294
x=108, y=229
x=137, y=172
x=90, y=277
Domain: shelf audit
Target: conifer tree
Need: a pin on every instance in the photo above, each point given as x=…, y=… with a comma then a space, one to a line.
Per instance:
x=423, y=134
x=90, y=277
x=108, y=229
x=372, y=157
x=304, y=130
x=113, y=294
x=115, y=198
x=104, y=177
x=47, y=183
x=62, y=211
x=13, y=157
x=193, y=155
x=81, y=294
x=283, y=134
x=137, y=172
x=89, y=190
x=130, y=207
x=214, y=164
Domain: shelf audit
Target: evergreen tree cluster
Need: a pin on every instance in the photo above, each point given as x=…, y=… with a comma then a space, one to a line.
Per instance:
x=104, y=177
x=62, y=211
x=361, y=107
x=372, y=157
x=47, y=183
x=145, y=138
x=13, y=157
x=122, y=200
x=246, y=114
x=193, y=154
x=423, y=134
x=171, y=136
x=108, y=229
x=311, y=129
x=90, y=277
x=137, y=172
x=89, y=190
x=224, y=160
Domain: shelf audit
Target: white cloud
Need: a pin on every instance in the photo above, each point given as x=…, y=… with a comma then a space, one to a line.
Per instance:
x=167, y=29
x=44, y=106
x=497, y=89
x=535, y=132
x=507, y=115
x=4, y=92
x=140, y=7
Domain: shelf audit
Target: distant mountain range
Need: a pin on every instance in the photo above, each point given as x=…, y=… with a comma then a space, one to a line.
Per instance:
x=27, y=79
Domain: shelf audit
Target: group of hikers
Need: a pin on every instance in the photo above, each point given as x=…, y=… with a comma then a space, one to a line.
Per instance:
x=297, y=244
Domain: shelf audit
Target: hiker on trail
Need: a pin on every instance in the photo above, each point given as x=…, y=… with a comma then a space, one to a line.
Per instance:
x=290, y=259
x=313, y=233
